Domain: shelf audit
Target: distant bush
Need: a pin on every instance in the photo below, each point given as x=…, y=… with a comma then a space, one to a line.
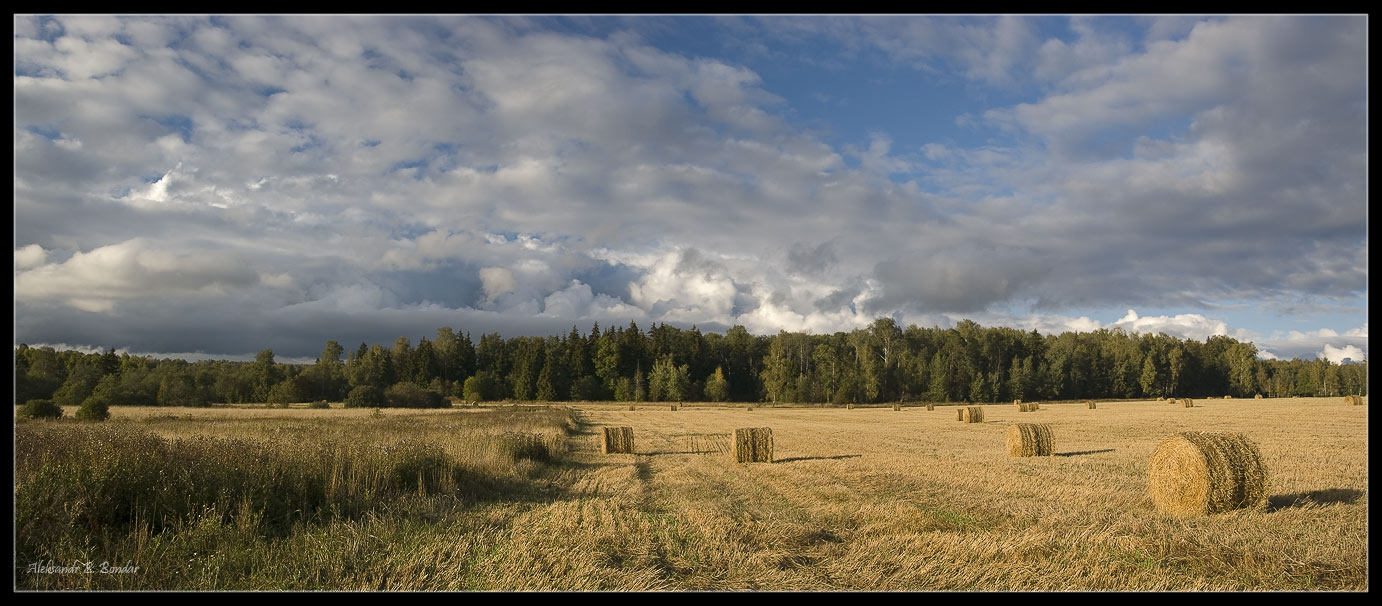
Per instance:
x=40, y=409
x=94, y=408
x=319, y=404
x=408, y=395
x=484, y=386
x=365, y=396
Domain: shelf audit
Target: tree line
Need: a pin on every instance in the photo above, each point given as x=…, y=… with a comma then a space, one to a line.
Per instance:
x=882, y=363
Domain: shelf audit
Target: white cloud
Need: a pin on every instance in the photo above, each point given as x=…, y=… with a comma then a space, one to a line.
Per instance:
x=29, y=257
x=1339, y=354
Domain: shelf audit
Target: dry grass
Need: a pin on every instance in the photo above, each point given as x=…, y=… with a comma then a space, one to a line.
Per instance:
x=1205, y=473
x=866, y=500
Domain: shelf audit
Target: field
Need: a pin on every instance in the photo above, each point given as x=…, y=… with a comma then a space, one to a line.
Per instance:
x=863, y=499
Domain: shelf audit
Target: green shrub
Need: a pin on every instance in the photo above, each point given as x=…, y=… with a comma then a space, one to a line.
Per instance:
x=408, y=395
x=40, y=409
x=365, y=396
x=94, y=408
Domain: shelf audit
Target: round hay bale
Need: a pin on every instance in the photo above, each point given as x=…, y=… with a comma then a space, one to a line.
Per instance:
x=1257, y=397
x=1196, y=473
x=617, y=440
x=930, y=406
x=1354, y=400
x=750, y=408
x=1030, y=440
x=753, y=445
x=633, y=408
x=849, y=406
x=1090, y=404
x=1228, y=397
x=897, y=406
x=973, y=414
x=960, y=414
x=1187, y=403
x=1160, y=399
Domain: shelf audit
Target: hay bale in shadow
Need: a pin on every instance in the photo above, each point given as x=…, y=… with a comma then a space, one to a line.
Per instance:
x=1196, y=473
x=1030, y=440
x=617, y=440
x=753, y=445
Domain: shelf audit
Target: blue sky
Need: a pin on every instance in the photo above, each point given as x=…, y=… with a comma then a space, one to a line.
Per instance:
x=211, y=186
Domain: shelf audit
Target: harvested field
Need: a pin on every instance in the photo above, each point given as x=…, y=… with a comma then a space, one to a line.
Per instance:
x=861, y=500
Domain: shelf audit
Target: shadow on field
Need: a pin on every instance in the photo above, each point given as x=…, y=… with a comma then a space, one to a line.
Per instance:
x=1319, y=497
x=1084, y=452
x=790, y=459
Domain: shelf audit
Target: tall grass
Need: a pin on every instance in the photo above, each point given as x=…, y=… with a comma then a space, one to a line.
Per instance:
x=85, y=491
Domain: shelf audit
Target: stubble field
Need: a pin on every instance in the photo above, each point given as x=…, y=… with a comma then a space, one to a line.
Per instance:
x=863, y=499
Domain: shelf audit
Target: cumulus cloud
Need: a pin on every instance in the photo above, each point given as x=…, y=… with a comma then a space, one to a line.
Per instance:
x=1338, y=354
x=293, y=176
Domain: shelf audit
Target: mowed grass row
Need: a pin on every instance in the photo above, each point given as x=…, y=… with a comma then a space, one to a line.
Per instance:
x=864, y=499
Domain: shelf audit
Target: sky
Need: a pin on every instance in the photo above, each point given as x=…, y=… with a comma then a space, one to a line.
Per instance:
x=212, y=186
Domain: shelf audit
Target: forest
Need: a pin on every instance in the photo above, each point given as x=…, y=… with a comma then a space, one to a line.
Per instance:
x=882, y=363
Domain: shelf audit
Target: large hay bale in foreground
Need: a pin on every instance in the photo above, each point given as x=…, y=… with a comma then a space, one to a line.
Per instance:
x=753, y=445
x=1090, y=404
x=1196, y=473
x=973, y=414
x=1030, y=440
x=617, y=440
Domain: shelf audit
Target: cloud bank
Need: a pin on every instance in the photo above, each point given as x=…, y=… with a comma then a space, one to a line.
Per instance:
x=226, y=184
